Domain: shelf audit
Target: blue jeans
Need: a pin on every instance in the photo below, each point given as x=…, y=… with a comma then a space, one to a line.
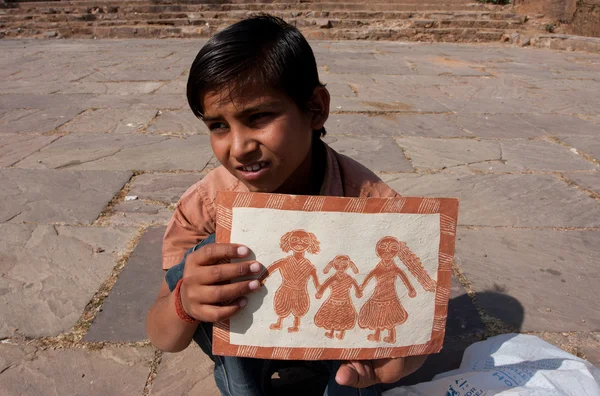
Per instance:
x=247, y=376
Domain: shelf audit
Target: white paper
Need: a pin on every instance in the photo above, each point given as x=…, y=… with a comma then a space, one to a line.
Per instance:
x=511, y=365
x=352, y=234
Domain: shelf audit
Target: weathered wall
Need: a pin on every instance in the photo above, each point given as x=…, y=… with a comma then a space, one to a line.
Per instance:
x=580, y=17
x=586, y=19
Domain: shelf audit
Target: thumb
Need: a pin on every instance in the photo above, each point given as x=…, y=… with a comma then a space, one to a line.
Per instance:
x=347, y=375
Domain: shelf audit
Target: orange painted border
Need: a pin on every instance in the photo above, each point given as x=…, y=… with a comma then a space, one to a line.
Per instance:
x=446, y=207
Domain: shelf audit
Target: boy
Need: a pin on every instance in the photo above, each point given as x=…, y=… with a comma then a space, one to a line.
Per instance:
x=256, y=87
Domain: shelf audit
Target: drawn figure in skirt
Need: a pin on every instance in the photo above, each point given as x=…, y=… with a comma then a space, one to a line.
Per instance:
x=296, y=270
x=338, y=312
x=383, y=311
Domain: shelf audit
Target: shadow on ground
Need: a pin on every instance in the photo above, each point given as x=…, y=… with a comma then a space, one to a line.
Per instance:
x=464, y=327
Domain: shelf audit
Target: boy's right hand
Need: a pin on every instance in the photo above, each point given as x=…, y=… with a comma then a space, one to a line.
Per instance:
x=206, y=293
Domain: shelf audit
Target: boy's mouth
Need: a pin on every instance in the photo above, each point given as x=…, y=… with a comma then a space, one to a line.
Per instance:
x=254, y=170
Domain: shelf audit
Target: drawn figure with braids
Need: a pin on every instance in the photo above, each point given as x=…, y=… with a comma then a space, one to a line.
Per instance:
x=383, y=311
x=296, y=270
x=338, y=312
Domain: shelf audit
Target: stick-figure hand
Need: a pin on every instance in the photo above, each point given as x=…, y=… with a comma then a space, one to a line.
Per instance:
x=319, y=295
x=412, y=293
x=358, y=294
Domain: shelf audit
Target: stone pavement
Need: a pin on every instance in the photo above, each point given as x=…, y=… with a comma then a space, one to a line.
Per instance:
x=514, y=133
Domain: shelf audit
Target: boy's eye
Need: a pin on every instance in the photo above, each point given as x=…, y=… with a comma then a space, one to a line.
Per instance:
x=217, y=127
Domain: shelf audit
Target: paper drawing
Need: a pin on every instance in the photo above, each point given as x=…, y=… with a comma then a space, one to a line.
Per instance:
x=292, y=296
x=384, y=311
x=345, y=278
x=338, y=313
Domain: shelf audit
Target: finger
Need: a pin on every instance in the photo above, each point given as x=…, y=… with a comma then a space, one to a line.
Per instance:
x=216, y=313
x=211, y=274
x=215, y=252
x=225, y=293
x=357, y=374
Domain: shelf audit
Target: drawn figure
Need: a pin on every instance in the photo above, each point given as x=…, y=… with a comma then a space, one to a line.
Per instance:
x=383, y=311
x=338, y=312
x=292, y=296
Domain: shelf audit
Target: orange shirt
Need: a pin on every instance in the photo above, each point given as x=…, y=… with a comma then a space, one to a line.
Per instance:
x=195, y=215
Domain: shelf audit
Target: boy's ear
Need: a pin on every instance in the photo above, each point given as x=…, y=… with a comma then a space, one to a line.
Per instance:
x=319, y=107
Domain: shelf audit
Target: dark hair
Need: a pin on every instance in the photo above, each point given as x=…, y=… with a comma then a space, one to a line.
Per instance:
x=261, y=51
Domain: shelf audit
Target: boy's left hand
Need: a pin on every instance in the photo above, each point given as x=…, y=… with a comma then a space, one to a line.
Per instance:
x=364, y=373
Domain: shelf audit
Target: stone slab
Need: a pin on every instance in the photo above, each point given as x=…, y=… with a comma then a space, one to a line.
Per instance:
x=589, y=145
x=552, y=274
x=178, y=122
x=15, y=147
x=35, y=120
x=49, y=102
x=112, y=88
x=153, y=101
x=589, y=181
x=166, y=187
x=126, y=152
x=505, y=126
x=561, y=125
x=109, y=371
x=57, y=196
x=523, y=200
x=362, y=125
x=139, y=214
x=123, y=315
x=377, y=154
x=406, y=104
x=186, y=373
x=50, y=273
x=110, y=121
x=428, y=125
x=175, y=87
x=375, y=125
x=446, y=153
x=524, y=155
x=487, y=105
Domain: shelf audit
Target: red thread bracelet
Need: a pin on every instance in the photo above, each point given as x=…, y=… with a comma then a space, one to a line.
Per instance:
x=179, y=305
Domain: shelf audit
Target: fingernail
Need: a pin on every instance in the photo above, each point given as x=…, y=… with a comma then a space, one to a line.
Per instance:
x=254, y=267
x=243, y=302
x=242, y=251
x=254, y=285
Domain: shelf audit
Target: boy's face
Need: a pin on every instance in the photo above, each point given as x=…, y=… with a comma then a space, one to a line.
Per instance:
x=263, y=139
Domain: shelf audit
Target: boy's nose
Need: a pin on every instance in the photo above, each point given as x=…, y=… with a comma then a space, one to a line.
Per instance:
x=243, y=144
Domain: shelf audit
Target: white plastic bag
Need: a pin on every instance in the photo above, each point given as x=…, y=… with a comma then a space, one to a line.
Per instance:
x=512, y=364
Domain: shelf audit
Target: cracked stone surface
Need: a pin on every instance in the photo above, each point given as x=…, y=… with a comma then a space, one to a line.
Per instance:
x=589, y=181
x=440, y=153
x=110, y=121
x=490, y=124
x=15, y=147
x=34, y=120
x=111, y=370
x=551, y=274
x=166, y=188
x=139, y=214
x=57, y=196
x=519, y=155
x=506, y=200
x=178, y=122
x=38, y=262
x=123, y=316
x=185, y=373
x=377, y=154
x=589, y=145
x=127, y=152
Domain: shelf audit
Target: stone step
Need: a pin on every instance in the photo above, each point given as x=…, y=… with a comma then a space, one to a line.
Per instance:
x=237, y=15
x=392, y=34
x=304, y=22
x=145, y=7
